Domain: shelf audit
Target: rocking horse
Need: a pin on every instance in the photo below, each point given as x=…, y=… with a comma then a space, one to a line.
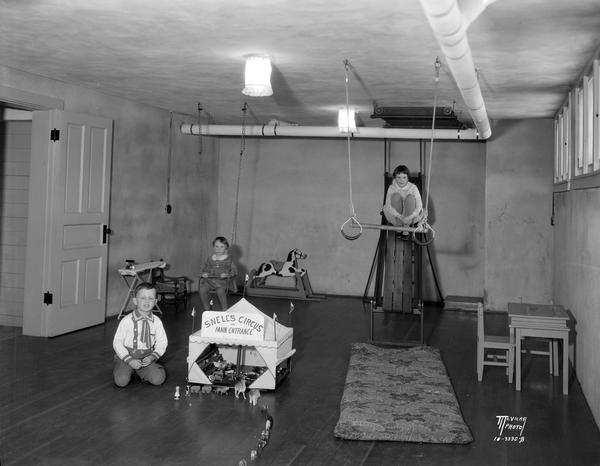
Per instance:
x=289, y=268
x=256, y=283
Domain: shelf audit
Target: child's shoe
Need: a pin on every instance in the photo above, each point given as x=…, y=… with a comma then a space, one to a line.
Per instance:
x=404, y=235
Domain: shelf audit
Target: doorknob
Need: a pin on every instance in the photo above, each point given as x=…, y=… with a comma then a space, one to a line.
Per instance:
x=105, y=232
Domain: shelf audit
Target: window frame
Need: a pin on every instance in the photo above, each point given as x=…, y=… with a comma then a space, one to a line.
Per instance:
x=577, y=133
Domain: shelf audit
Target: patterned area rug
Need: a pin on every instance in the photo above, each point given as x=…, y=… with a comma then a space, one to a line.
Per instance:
x=399, y=394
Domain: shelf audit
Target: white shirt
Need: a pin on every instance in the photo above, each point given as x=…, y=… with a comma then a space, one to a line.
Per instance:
x=126, y=344
x=409, y=188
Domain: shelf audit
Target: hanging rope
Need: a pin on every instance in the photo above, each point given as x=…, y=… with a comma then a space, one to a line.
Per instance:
x=352, y=220
x=423, y=227
x=237, y=190
x=437, y=65
x=168, y=206
x=199, y=126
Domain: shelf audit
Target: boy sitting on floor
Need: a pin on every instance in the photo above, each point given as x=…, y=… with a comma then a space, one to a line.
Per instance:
x=140, y=340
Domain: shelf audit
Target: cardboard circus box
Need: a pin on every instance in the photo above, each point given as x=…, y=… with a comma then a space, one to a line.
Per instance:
x=245, y=337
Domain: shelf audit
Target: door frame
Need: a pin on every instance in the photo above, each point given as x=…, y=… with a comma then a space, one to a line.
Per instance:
x=19, y=99
x=53, y=306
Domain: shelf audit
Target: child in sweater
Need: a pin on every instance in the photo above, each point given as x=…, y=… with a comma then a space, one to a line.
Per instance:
x=217, y=274
x=140, y=340
x=403, y=205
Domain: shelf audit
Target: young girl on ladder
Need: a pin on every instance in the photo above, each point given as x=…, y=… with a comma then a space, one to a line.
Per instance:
x=403, y=205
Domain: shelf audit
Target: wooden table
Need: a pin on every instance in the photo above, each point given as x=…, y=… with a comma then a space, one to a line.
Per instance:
x=542, y=321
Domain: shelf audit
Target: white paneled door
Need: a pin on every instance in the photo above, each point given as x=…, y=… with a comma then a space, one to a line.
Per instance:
x=67, y=244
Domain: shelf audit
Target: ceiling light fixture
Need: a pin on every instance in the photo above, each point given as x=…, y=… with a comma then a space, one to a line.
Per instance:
x=258, y=76
x=347, y=120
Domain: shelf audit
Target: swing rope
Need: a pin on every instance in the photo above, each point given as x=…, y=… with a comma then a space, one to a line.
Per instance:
x=423, y=226
x=352, y=219
x=437, y=65
x=169, y=162
x=199, y=126
x=237, y=190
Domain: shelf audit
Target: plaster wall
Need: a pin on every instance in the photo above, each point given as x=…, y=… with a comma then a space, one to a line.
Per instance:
x=576, y=278
x=518, y=203
x=295, y=193
x=457, y=209
x=142, y=230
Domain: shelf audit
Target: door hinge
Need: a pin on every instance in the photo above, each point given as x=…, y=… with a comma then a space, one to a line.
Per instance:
x=48, y=298
x=54, y=135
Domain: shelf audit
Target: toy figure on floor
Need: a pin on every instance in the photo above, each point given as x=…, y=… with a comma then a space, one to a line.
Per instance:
x=403, y=205
x=217, y=274
x=140, y=340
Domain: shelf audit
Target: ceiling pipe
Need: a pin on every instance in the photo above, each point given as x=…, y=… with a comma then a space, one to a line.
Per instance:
x=327, y=132
x=471, y=9
x=450, y=26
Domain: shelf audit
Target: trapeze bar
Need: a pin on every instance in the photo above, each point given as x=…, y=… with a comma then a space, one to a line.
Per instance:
x=424, y=228
x=372, y=226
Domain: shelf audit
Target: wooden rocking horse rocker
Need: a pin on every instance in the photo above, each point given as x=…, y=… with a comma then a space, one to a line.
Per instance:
x=256, y=283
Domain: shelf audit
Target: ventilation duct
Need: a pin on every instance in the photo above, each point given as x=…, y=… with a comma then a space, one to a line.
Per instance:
x=418, y=117
x=450, y=26
x=327, y=132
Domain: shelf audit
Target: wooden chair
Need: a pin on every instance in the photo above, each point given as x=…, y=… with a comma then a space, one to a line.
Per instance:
x=171, y=289
x=232, y=288
x=505, y=358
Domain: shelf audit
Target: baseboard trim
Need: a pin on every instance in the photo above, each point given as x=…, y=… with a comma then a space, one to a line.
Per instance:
x=11, y=321
x=462, y=303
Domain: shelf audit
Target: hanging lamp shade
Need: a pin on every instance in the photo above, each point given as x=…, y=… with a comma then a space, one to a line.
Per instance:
x=347, y=120
x=258, y=77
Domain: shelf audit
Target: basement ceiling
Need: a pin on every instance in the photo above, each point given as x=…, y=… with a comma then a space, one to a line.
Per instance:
x=176, y=54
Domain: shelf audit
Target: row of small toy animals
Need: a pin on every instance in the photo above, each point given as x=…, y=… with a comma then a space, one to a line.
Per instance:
x=239, y=389
x=262, y=441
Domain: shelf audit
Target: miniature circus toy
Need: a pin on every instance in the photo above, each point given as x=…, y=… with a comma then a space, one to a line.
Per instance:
x=253, y=396
x=195, y=389
x=221, y=390
x=240, y=388
x=240, y=342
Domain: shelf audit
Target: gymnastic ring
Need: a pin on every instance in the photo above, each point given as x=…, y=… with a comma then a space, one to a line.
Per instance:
x=354, y=222
x=426, y=228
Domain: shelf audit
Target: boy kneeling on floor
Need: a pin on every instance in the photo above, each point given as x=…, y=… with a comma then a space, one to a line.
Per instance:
x=140, y=340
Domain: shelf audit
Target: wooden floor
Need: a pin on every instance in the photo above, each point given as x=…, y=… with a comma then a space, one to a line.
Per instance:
x=59, y=406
